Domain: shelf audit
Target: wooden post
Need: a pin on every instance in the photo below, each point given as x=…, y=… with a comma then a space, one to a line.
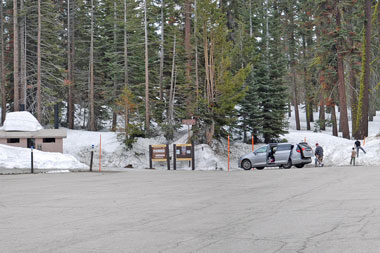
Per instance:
x=168, y=156
x=228, y=150
x=92, y=156
x=150, y=156
x=192, y=156
x=174, y=157
x=100, y=154
x=31, y=160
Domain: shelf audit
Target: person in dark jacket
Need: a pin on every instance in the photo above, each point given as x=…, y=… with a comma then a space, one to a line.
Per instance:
x=318, y=155
x=357, y=145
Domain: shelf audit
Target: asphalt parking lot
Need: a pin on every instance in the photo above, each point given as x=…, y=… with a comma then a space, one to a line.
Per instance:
x=329, y=209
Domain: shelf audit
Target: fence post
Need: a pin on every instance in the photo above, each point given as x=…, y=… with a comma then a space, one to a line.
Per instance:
x=174, y=157
x=192, y=156
x=168, y=156
x=31, y=158
x=150, y=156
x=228, y=153
x=92, y=156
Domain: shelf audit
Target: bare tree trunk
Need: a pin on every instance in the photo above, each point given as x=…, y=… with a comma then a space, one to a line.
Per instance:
x=293, y=68
x=322, y=117
x=354, y=95
x=70, y=61
x=196, y=51
x=295, y=101
x=311, y=111
x=171, y=97
x=250, y=20
x=114, y=114
x=147, y=118
x=23, y=56
x=342, y=86
x=207, y=72
x=364, y=85
x=187, y=40
x=162, y=49
x=334, y=122
x=306, y=81
x=39, y=109
x=3, y=91
x=91, y=98
x=126, y=120
x=15, y=59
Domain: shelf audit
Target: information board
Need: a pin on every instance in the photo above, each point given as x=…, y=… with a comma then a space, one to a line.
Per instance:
x=183, y=152
x=159, y=153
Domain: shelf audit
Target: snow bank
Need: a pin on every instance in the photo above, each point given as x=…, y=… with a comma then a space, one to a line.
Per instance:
x=19, y=158
x=78, y=143
x=21, y=121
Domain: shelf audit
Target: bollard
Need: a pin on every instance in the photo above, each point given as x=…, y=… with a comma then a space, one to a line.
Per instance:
x=31, y=159
x=92, y=156
x=228, y=151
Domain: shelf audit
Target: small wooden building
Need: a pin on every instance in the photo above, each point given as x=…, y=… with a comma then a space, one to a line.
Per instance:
x=49, y=140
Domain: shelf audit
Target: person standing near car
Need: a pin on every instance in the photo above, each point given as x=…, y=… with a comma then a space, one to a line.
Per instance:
x=357, y=145
x=318, y=155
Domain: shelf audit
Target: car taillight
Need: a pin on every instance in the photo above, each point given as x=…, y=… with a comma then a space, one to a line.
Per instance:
x=299, y=151
x=303, y=149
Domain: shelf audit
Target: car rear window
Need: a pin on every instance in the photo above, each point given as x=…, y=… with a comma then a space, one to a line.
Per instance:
x=284, y=147
x=304, y=145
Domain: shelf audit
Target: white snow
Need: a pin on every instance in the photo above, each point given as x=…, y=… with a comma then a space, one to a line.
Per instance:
x=78, y=146
x=21, y=121
x=20, y=158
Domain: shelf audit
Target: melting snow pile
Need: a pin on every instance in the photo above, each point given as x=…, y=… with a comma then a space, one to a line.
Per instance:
x=19, y=158
x=21, y=121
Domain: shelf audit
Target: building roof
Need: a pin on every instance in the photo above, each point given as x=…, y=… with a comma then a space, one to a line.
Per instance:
x=43, y=133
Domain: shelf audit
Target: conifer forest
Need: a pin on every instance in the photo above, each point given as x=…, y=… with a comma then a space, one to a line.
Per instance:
x=235, y=67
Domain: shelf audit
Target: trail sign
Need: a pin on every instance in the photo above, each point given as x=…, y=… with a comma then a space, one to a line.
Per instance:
x=159, y=153
x=188, y=122
x=183, y=152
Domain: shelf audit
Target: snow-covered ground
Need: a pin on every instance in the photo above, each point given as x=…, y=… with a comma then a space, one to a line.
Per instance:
x=20, y=158
x=78, y=146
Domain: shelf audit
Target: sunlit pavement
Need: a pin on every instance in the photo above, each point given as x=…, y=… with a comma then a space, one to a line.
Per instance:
x=329, y=209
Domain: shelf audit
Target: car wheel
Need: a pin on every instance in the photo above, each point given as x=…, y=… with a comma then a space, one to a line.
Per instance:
x=288, y=165
x=300, y=165
x=246, y=164
x=259, y=168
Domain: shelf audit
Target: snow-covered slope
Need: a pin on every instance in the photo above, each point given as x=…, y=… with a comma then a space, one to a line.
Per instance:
x=336, y=150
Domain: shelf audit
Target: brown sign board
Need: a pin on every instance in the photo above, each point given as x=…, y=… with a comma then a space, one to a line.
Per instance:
x=159, y=153
x=183, y=152
x=188, y=121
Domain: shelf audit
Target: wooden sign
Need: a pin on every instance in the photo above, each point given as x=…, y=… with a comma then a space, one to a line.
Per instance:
x=159, y=153
x=188, y=121
x=183, y=152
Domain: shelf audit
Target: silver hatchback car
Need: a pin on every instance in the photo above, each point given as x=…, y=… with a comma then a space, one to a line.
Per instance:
x=283, y=155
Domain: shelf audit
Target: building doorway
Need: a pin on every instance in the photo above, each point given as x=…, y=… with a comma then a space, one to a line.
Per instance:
x=31, y=143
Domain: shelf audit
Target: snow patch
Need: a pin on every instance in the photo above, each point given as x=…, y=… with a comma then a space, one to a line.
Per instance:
x=21, y=121
x=20, y=158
